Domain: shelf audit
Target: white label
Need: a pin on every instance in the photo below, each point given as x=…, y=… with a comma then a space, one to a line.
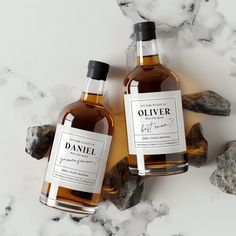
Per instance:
x=155, y=122
x=78, y=159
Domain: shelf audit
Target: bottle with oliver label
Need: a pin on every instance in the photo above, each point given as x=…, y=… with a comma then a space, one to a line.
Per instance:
x=153, y=110
x=80, y=149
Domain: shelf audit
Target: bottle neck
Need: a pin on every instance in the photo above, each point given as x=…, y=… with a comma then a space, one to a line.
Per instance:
x=93, y=91
x=147, y=53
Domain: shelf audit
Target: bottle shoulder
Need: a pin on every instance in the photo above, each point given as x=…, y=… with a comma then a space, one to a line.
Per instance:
x=84, y=110
x=87, y=116
x=151, y=79
x=140, y=72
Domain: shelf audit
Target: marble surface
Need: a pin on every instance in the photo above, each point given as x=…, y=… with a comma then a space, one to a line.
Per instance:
x=45, y=46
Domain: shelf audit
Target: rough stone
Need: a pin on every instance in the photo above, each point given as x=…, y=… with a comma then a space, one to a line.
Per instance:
x=207, y=102
x=38, y=140
x=197, y=146
x=224, y=177
x=121, y=188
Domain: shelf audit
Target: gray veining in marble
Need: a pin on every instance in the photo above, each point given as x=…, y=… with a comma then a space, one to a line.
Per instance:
x=110, y=221
x=180, y=25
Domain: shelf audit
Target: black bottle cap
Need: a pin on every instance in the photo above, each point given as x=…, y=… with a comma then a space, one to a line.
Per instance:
x=145, y=31
x=97, y=70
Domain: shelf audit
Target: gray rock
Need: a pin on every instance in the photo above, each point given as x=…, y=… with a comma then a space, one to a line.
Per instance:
x=224, y=177
x=121, y=188
x=207, y=102
x=197, y=146
x=38, y=140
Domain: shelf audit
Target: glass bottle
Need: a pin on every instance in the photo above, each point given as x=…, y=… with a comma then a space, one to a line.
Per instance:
x=80, y=149
x=153, y=110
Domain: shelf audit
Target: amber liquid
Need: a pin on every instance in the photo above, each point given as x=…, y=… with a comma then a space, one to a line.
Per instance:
x=150, y=76
x=90, y=115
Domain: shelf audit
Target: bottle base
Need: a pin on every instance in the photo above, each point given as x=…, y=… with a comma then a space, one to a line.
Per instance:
x=162, y=171
x=69, y=207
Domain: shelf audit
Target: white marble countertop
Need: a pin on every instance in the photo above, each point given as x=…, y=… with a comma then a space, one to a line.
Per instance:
x=44, y=50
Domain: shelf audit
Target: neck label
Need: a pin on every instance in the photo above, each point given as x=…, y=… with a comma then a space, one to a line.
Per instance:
x=155, y=122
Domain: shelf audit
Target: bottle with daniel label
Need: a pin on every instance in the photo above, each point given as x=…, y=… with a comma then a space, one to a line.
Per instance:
x=80, y=149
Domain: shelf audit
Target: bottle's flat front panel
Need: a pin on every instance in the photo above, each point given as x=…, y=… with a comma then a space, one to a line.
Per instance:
x=78, y=159
x=155, y=122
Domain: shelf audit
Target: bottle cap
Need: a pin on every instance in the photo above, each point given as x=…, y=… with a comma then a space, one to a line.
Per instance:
x=145, y=31
x=97, y=70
